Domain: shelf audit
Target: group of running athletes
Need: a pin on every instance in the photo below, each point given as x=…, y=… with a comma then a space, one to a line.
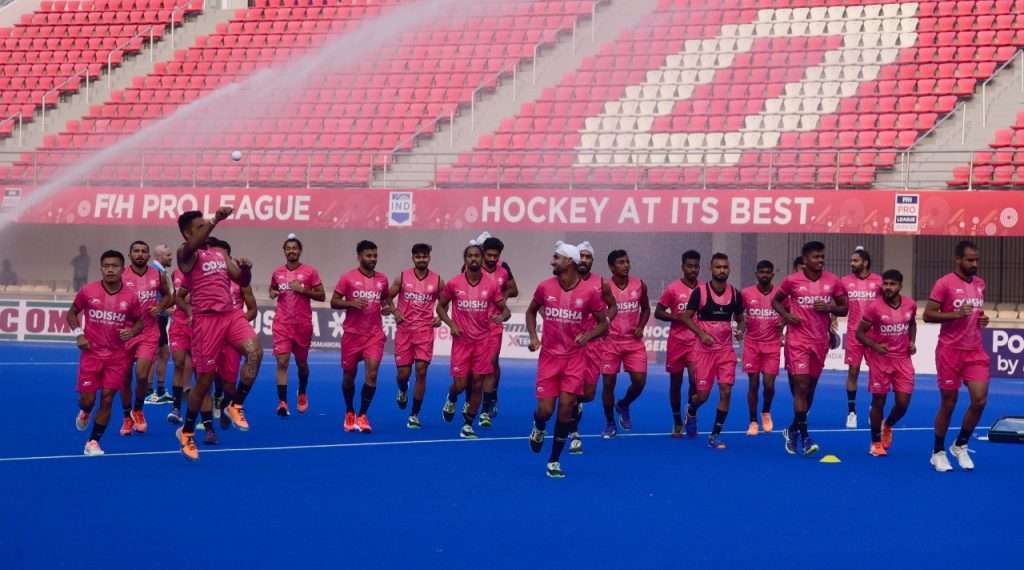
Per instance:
x=593, y=328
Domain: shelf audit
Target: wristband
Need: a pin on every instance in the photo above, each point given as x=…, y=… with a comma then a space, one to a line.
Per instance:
x=78, y=332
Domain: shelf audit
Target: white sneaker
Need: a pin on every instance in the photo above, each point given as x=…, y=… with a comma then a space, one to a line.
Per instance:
x=92, y=447
x=555, y=470
x=851, y=420
x=941, y=462
x=963, y=456
x=576, y=446
x=82, y=420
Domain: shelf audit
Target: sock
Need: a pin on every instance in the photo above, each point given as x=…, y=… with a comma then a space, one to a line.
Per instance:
x=403, y=386
x=416, y=404
x=303, y=382
x=97, y=431
x=365, y=398
x=127, y=410
x=282, y=392
x=190, y=422
x=719, y=421
x=940, y=444
x=218, y=386
x=84, y=408
x=349, y=392
x=876, y=434
x=468, y=418
x=609, y=414
x=538, y=423
x=677, y=414
x=224, y=403
x=561, y=434
x=488, y=403
x=962, y=438
x=851, y=400
x=161, y=389
x=241, y=392
x=888, y=422
x=577, y=415
x=765, y=409
x=177, y=392
x=753, y=417
x=800, y=422
x=138, y=404
x=207, y=420
x=691, y=411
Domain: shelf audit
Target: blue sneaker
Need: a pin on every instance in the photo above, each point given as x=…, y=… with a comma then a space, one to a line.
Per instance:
x=791, y=441
x=609, y=431
x=715, y=442
x=691, y=426
x=175, y=417
x=624, y=419
x=810, y=448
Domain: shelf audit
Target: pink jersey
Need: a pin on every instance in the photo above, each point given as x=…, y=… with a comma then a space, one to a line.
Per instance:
x=237, y=302
x=890, y=326
x=501, y=275
x=597, y=284
x=762, y=320
x=147, y=289
x=291, y=306
x=627, y=318
x=417, y=299
x=473, y=305
x=103, y=315
x=951, y=292
x=208, y=283
x=564, y=313
x=714, y=313
x=675, y=298
x=860, y=293
x=802, y=293
x=354, y=286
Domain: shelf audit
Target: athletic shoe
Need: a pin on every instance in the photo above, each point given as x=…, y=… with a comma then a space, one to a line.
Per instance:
x=303, y=404
x=878, y=449
x=413, y=422
x=576, y=446
x=752, y=429
x=153, y=399
x=467, y=432
x=402, y=399
x=216, y=407
x=363, y=424
x=165, y=398
x=555, y=470
x=536, y=440
x=810, y=448
x=82, y=420
x=766, y=422
x=791, y=440
x=465, y=407
x=485, y=419
x=677, y=431
x=188, y=445
x=92, y=447
x=282, y=409
x=963, y=456
x=200, y=426
x=941, y=462
x=448, y=411
x=350, y=421
x=127, y=427
x=715, y=442
x=624, y=419
x=211, y=438
x=851, y=420
x=886, y=436
x=174, y=417
x=691, y=426
x=237, y=415
x=140, y=421
x=609, y=431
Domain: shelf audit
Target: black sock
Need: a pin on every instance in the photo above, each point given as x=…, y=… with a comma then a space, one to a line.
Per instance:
x=190, y=422
x=349, y=392
x=207, y=420
x=962, y=438
x=84, y=408
x=800, y=422
x=538, y=423
x=876, y=434
x=940, y=444
x=468, y=418
x=160, y=389
x=403, y=386
x=851, y=400
x=282, y=392
x=888, y=422
x=677, y=414
x=224, y=403
x=719, y=421
x=691, y=411
x=488, y=402
x=241, y=392
x=416, y=404
x=577, y=415
x=218, y=386
x=365, y=398
x=303, y=382
x=127, y=410
x=561, y=434
x=97, y=431
x=138, y=404
x=609, y=414
x=765, y=409
x=753, y=417
x=177, y=392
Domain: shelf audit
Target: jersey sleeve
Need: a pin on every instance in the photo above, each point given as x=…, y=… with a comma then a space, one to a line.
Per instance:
x=666, y=298
x=870, y=315
x=738, y=305
x=538, y=295
x=507, y=270
x=938, y=293
x=597, y=303
x=694, y=303
x=496, y=295
x=448, y=291
x=342, y=287
x=315, y=278
x=840, y=289
x=787, y=286
x=80, y=300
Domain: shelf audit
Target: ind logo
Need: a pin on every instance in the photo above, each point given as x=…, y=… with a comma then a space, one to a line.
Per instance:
x=400, y=209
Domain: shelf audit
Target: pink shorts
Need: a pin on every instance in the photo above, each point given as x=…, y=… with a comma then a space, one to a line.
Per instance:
x=143, y=346
x=211, y=332
x=356, y=347
x=710, y=365
x=887, y=374
x=955, y=366
x=179, y=335
x=854, y=349
x=678, y=354
x=806, y=359
x=470, y=357
x=761, y=357
x=594, y=351
x=95, y=372
x=557, y=374
x=630, y=355
x=230, y=364
x=292, y=338
x=497, y=339
x=411, y=346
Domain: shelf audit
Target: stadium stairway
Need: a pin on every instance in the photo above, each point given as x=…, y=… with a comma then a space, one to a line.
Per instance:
x=74, y=107
x=416, y=170
x=951, y=143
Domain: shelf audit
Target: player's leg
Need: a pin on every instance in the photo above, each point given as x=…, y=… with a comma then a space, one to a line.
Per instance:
x=901, y=401
x=99, y=424
x=490, y=398
x=724, y=399
x=419, y=390
x=86, y=403
x=799, y=384
x=196, y=397
x=251, y=350
x=608, y=403
x=403, y=366
x=206, y=414
x=143, y=371
x=753, y=387
x=370, y=368
x=566, y=404
x=675, y=400
x=128, y=426
x=302, y=367
x=402, y=376
x=978, y=391
x=768, y=396
x=473, y=399
x=878, y=398
x=302, y=339
x=281, y=373
x=852, y=374
x=589, y=393
x=545, y=409
x=458, y=386
x=182, y=372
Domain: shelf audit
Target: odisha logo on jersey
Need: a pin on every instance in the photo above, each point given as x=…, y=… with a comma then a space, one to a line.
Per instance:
x=209, y=266
x=471, y=304
x=417, y=297
x=862, y=294
x=371, y=295
x=898, y=328
x=762, y=313
x=565, y=314
x=100, y=315
x=811, y=299
x=147, y=295
x=628, y=305
x=974, y=302
x=283, y=287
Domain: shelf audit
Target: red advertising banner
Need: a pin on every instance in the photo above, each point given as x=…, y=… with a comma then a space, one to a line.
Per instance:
x=984, y=213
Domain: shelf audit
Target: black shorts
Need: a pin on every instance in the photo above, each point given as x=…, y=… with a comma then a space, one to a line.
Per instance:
x=163, y=330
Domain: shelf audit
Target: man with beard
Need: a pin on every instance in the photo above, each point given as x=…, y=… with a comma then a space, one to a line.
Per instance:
x=625, y=344
x=862, y=287
x=679, y=356
x=762, y=345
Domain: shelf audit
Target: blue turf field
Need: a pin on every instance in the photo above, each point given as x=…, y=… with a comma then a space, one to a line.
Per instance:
x=300, y=492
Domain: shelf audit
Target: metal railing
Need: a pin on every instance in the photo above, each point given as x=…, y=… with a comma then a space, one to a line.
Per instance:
x=57, y=88
x=984, y=86
x=21, y=125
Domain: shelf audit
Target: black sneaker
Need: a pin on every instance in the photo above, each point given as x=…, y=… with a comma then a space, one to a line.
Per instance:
x=536, y=440
x=555, y=470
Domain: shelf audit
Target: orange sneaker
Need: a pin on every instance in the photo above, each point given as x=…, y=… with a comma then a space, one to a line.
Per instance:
x=188, y=445
x=363, y=424
x=878, y=450
x=303, y=404
x=766, y=422
x=350, y=421
x=752, y=430
x=140, y=421
x=886, y=436
x=237, y=415
x=127, y=427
